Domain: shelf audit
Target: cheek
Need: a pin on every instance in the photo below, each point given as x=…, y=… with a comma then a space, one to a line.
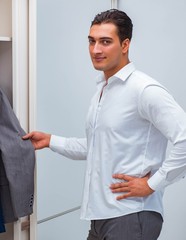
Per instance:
x=114, y=52
x=91, y=54
x=90, y=49
x=115, y=58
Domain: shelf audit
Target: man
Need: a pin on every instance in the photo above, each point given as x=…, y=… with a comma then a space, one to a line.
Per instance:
x=130, y=119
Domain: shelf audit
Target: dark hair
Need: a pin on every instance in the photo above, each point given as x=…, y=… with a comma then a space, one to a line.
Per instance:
x=119, y=18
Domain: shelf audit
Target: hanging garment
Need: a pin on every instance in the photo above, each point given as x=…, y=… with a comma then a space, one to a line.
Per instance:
x=2, y=226
x=17, y=162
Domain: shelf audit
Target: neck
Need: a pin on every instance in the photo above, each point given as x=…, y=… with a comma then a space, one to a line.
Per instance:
x=110, y=74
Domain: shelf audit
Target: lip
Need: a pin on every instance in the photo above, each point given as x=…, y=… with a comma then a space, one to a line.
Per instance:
x=98, y=59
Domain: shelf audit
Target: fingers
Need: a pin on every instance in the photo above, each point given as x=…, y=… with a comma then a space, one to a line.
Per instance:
x=122, y=177
x=33, y=138
x=30, y=135
x=123, y=196
x=39, y=140
x=120, y=190
x=27, y=136
x=121, y=186
x=118, y=185
x=34, y=135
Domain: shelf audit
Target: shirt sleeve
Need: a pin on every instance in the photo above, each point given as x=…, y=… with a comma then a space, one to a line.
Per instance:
x=73, y=148
x=159, y=107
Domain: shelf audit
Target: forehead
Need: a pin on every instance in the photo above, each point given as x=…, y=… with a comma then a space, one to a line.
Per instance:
x=103, y=30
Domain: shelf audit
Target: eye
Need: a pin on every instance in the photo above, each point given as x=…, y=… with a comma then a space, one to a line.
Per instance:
x=106, y=42
x=91, y=41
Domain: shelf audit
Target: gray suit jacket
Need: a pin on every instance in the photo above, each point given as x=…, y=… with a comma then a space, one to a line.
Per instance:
x=17, y=162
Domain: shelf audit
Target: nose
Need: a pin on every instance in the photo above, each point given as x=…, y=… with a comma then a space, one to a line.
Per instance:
x=96, y=48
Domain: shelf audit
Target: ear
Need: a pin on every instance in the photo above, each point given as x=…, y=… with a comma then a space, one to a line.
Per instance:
x=125, y=45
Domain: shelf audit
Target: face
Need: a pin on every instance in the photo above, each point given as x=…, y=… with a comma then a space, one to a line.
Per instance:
x=107, y=53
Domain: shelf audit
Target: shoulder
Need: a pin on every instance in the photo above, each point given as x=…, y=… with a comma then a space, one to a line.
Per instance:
x=141, y=80
x=144, y=85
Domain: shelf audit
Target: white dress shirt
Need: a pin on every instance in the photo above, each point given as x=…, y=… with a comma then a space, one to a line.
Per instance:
x=127, y=131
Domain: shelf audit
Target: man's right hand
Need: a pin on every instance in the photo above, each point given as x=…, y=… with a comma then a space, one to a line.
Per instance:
x=39, y=139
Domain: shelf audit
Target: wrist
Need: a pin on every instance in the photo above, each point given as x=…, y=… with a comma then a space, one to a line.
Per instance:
x=48, y=137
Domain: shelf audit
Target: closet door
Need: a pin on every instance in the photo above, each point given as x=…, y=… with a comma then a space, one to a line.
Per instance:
x=14, y=79
x=6, y=70
x=158, y=48
x=65, y=84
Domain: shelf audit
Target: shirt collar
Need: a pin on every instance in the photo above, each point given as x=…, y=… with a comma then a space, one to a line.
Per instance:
x=122, y=74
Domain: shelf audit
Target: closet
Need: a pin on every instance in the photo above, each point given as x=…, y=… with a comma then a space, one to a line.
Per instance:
x=6, y=47
x=6, y=68
x=14, y=79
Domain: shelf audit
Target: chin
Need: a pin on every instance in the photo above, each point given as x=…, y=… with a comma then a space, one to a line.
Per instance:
x=98, y=68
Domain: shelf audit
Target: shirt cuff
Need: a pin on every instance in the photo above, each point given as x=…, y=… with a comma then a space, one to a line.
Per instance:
x=157, y=182
x=57, y=143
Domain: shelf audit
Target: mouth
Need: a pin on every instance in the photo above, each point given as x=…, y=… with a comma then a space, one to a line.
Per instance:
x=99, y=59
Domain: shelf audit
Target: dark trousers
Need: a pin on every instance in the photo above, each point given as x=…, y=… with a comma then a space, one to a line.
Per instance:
x=145, y=225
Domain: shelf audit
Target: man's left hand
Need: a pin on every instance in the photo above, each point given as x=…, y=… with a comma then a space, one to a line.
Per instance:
x=131, y=186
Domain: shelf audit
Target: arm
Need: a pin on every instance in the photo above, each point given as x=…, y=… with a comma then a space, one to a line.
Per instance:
x=158, y=107
x=73, y=148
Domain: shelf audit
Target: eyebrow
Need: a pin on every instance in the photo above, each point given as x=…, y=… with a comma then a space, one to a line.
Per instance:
x=102, y=38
